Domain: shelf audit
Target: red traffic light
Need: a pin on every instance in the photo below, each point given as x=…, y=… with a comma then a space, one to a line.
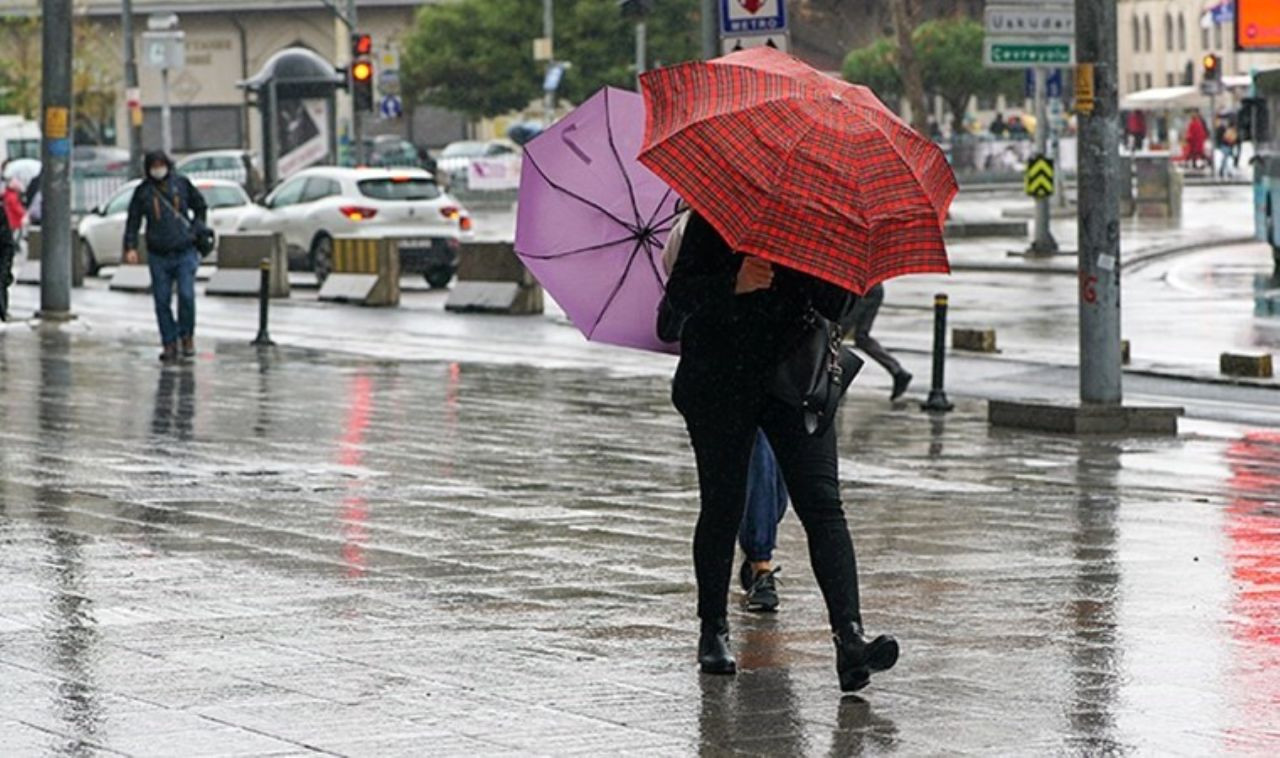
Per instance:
x=362, y=71
x=361, y=44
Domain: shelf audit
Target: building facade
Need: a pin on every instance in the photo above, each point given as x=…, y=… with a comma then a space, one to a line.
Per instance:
x=228, y=41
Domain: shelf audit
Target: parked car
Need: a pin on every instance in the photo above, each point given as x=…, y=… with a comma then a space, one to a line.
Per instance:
x=451, y=167
x=102, y=231
x=239, y=166
x=99, y=160
x=316, y=204
x=385, y=151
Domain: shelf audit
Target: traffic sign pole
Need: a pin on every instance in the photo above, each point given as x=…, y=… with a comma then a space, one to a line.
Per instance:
x=1044, y=243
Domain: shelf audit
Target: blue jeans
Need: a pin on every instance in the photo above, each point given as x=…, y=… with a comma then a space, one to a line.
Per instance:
x=766, y=503
x=166, y=271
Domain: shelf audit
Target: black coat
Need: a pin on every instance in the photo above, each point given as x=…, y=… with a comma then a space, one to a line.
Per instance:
x=166, y=233
x=732, y=343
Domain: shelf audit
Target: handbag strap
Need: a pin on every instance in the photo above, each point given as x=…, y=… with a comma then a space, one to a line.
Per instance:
x=172, y=205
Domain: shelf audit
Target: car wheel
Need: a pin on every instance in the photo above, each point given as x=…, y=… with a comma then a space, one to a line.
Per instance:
x=322, y=257
x=439, y=278
x=91, y=266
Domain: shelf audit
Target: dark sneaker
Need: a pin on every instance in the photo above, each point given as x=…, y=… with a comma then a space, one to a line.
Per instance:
x=901, y=381
x=170, y=353
x=762, y=596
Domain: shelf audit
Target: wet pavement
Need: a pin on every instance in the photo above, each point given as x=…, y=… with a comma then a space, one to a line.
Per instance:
x=310, y=552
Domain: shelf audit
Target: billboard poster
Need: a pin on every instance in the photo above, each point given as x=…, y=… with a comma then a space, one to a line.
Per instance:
x=1257, y=25
x=302, y=132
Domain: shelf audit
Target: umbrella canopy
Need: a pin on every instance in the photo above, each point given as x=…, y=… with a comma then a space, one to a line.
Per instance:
x=799, y=168
x=592, y=220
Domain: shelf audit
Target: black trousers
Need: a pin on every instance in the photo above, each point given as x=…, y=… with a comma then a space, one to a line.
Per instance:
x=722, y=428
x=863, y=316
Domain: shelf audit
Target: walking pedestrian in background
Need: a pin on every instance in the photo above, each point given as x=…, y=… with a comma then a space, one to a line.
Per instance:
x=862, y=318
x=8, y=248
x=168, y=202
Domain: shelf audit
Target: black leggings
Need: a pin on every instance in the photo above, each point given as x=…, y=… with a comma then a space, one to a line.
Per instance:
x=723, y=437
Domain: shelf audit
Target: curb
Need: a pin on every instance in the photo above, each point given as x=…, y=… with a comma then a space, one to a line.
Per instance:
x=1137, y=260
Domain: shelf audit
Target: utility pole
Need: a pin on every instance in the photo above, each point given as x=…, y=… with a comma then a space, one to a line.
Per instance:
x=357, y=118
x=640, y=50
x=1099, y=204
x=548, y=32
x=1044, y=243
x=55, y=157
x=132, y=94
x=710, y=29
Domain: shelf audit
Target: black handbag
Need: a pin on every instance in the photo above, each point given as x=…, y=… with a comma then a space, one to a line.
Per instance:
x=814, y=377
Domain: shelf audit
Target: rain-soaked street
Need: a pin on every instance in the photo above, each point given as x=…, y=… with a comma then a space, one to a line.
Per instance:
x=300, y=553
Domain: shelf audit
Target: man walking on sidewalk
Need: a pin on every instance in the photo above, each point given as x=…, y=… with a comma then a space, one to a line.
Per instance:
x=167, y=201
x=862, y=316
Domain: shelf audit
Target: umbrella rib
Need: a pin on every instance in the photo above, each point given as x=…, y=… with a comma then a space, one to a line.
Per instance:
x=617, y=157
x=578, y=251
x=555, y=185
x=654, y=267
x=616, y=288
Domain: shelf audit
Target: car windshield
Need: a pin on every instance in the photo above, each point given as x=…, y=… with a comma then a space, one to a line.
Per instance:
x=463, y=150
x=406, y=188
x=223, y=197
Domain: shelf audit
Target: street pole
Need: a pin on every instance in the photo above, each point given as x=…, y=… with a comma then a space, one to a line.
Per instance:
x=640, y=51
x=357, y=118
x=548, y=31
x=1044, y=243
x=55, y=157
x=166, y=113
x=131, y=90
x=710, y=29
x=1099, y=204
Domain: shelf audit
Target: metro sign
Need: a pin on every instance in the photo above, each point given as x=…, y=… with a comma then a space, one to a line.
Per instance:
x=752, y=16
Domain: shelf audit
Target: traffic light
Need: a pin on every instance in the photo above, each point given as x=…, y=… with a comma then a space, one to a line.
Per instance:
x=1212, y=67
x=361, y=71
x=362, y=84
x=361, y=45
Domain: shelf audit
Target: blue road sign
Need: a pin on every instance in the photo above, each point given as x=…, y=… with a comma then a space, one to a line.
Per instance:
x=391, y=107
x=1052, y=83
x=552, y=82
x=752, y=17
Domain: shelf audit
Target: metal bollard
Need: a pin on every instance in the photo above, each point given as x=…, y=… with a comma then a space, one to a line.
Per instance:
x=264, y=298
x=937, y=401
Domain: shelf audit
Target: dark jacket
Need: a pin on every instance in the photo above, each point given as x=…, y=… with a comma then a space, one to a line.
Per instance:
x=166, y=233
x=735, y=342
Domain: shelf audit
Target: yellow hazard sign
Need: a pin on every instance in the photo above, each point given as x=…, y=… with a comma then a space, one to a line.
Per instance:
x=1084, y=88
x=1039, y=179
x=56, y=122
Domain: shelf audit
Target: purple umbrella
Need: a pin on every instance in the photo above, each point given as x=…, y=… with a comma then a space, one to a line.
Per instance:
x=592, y=221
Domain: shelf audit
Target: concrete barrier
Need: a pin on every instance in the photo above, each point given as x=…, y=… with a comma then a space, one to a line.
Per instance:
x=1245, y=365
x=366, y=271
x=29, y=271
x=239, y=257
x=976, y=340
x=133, y=277
x=491, y=279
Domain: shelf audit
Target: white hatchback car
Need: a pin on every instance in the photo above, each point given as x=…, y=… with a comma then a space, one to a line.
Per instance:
x=316, y=204
x=102, y=231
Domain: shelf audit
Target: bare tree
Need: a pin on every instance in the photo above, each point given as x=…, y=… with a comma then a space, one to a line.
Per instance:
x=904, y=23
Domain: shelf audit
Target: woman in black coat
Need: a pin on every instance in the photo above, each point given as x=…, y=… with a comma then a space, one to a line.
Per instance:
x=742, y=318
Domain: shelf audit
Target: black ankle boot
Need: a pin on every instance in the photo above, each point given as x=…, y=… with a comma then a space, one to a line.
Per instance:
x=856, y=658
x=714, y=656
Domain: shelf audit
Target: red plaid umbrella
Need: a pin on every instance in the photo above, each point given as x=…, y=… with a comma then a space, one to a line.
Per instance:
x=799, y=168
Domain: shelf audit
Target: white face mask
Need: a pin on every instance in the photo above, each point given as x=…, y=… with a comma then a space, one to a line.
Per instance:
x=159, y=173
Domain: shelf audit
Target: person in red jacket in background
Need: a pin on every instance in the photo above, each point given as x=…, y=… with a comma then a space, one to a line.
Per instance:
x=13, y=208
x=1193, y=142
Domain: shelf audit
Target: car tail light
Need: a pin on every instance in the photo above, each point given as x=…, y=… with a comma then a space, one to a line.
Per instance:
x=450, y=212
x=357, y=212
x=464, y=223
